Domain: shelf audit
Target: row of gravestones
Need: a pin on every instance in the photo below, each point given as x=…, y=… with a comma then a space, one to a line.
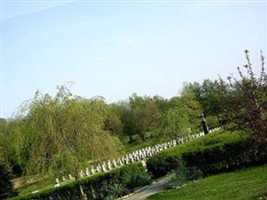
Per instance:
x=135, y=156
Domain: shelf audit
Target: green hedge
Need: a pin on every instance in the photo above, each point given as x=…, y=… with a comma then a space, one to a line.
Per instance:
x=214, y=153
x=110, y=185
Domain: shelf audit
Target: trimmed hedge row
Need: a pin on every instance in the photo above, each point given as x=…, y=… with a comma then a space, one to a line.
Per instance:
x=214, y=153
x=110, y=185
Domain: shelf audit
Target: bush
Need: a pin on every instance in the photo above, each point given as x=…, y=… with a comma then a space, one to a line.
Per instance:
x=161, y=164
x=219, y=158
x=214, y=153
x=133, y=177
x=245, y=102
x=108, y=185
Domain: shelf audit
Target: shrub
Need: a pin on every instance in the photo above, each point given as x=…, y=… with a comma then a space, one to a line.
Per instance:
x=161, y=164
x=108, y=185
x=245, y=102
x=133, y=177
x=219, y=158
x=214, y=153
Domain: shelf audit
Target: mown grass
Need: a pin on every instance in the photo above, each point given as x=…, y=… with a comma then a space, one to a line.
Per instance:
x=245, y=184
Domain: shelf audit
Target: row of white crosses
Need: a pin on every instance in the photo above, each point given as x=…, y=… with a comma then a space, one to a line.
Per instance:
x=135, y=156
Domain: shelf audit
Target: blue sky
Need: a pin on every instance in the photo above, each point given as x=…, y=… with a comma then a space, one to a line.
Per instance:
x=115, y=49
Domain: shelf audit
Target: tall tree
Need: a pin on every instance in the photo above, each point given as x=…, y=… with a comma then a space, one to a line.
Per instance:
x=65, y=131
x=9, y=145
x=175, y=122
x=144, y=115
x=193, y=108
x=208, y=96
x=246, y=102
x=182, y=115
x=114, y=120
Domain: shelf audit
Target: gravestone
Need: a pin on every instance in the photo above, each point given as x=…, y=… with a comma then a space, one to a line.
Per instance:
x=115, y=164
x=87, y=172
x=81, y=173
x=57, y=183
x=109, y=165
x=70, y=177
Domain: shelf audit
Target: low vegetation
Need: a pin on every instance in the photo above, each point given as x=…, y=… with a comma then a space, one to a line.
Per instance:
x=245, y=184
x=110, y=185
x=214, y=153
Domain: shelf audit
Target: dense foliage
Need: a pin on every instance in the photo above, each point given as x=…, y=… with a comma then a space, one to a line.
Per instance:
x=144, y=118
x=110, y=185
x=238, y=103
x=208, y=95
x=246, y=103
x=55, y=135
x=6, y=186
x=214, y=153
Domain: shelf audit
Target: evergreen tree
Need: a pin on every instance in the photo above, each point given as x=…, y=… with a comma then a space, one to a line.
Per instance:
x=6, y=186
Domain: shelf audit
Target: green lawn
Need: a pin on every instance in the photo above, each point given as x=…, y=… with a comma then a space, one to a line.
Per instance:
x=245, y=184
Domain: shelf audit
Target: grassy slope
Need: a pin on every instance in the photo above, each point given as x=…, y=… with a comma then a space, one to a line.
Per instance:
x=245, y=184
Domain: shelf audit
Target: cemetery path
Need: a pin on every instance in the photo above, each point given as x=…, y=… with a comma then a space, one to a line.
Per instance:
x=146, y=191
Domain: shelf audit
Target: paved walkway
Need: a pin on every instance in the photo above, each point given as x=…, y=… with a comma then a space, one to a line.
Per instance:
x=147, y=191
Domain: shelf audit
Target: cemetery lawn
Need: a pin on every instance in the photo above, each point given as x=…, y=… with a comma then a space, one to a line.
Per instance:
x=243, y=185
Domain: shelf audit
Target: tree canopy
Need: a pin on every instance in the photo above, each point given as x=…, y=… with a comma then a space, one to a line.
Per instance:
x=59, y=133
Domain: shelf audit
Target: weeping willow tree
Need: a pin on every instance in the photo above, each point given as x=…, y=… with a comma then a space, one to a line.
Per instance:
x=65, y=131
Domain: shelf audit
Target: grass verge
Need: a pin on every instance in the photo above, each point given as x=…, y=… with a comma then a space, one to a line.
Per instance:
x=240, y=185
